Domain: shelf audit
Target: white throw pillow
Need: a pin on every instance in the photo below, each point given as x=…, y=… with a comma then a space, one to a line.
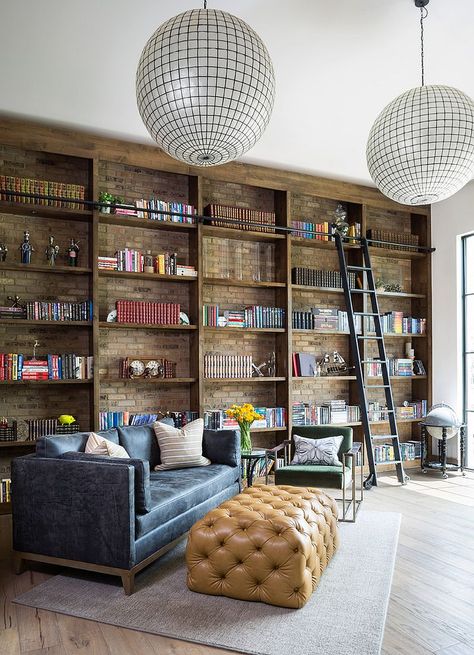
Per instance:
x=97, y=445
x=180, y=447
x=317, y=451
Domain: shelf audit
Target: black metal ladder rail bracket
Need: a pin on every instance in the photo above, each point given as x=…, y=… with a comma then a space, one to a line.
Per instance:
x=369, y=289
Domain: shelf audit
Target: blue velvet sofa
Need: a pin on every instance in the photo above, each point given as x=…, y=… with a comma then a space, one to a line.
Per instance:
x=113, y=515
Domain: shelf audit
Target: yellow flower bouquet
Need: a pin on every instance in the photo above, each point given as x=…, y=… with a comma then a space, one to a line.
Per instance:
x=245, y=415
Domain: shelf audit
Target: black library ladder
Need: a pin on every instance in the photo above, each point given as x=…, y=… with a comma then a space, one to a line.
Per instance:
x=368, y=290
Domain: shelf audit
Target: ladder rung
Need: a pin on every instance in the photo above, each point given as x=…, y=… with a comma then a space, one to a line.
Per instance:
x=387, y=411
x=392, y=461
x=373, y=361
x=361, y=336
x=362, y=291
x=358, y=268
x=383, y=437
x=365, y=314
x=376, y=386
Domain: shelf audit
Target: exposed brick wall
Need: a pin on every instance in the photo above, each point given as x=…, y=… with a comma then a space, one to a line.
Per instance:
x=237, y=195
x=312, y=209
x=388, y=220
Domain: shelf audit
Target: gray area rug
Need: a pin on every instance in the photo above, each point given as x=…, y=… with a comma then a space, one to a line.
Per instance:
x=345, y=615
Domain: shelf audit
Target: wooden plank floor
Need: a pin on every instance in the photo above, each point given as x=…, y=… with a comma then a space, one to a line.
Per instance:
x=431, y=606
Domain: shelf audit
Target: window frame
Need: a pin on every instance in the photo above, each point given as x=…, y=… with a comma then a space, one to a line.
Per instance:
x=464, y=295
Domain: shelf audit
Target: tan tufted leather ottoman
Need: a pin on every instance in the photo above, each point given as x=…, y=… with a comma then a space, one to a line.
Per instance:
x=268, y=544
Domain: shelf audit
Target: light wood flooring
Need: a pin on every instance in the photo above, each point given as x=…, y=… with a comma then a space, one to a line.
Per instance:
x=431, y=606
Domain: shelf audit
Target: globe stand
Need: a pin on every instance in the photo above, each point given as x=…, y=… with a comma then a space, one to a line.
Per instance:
x=442, y=464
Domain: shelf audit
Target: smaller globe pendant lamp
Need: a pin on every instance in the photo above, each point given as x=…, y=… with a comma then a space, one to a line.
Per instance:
x=205, y=87
x=421, y=147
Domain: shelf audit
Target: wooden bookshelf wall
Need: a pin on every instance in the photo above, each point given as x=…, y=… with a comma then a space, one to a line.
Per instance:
x=136, y=171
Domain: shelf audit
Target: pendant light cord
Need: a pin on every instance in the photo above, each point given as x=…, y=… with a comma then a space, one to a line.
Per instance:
x=423, y=15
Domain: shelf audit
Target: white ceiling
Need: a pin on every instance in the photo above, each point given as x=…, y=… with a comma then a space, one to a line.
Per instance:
x=337, y=64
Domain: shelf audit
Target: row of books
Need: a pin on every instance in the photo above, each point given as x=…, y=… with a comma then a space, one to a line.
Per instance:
x=37, y=310
x=273, y=417
x=260, y=469
x=318, y=278
x=5, y=490
x=250, y=219
x=227, y=366
x=108, y=419
x=169, y=212
x=397, y=323
x=386, y=453
x=153, y=313
x=325, y=320
x=401, y=238
x=409, y=410
x=21, y=185
x=254, y=316
x=330, y=412
x=395, y=367
x=40, y=427
x=309, y=230
x=69, y=366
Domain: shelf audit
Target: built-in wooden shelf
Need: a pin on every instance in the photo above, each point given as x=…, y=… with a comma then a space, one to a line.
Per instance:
x=396, y=378
x=242, y=235
x=156, y=277
x=150, y=380
x=244, y=330
x=399, y=294
x=5, y=508
x=307, y=287
x=394, y=335
x=45, y=382
x=324, y=377
x=43, y=211
x=283, y=429
x=18, y=444
x=249, y=380
x=229, y=282
x=319, y=332
x=332, y=290
x=48, y=324
x=395, y=253
x=147, y=223
x=320, y=245
x=145, y=326
x=44, y=268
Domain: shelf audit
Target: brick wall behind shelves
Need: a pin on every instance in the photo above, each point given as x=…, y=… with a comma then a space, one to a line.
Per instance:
x=43, y=166
x=312, y=209
x=231, y=258
x=237, y=195
x=143, y=398
x=117, y=344
x=134, y=183
x=64, y=339
x=47, y=401
x=392, y=271
x=237, y=297
x=12, y=228
x=116, y=237
x=43, y=286
x=323, y=260
x=388, y=220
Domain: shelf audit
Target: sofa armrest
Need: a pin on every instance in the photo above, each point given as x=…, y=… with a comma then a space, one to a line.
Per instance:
x=222, y=446
x=83, y=511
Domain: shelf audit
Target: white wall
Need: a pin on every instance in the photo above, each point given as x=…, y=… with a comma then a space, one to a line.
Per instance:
x=450, y=220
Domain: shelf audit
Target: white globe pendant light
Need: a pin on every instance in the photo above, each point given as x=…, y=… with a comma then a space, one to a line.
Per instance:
x=205, y=87
x=420, y=149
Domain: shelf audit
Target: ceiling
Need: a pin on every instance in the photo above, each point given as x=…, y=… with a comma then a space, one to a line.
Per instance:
x=337, y=64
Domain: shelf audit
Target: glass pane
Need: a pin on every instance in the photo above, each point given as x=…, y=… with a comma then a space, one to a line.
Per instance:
x=469, y=325
x=469, y=382
x=470, y=440
x=469, y=264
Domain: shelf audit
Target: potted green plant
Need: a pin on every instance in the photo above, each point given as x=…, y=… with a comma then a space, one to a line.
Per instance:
x=105, y=198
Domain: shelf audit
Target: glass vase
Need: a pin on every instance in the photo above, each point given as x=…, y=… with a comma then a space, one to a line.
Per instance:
x=245, y=439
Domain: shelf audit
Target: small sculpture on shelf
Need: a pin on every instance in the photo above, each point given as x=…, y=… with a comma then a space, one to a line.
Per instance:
x=3, y=251
x=269, y=366
x=26, y=249
x=340, y=224
x=334, y=364
x=15, y=301
x=52, y=251
x=72, y=253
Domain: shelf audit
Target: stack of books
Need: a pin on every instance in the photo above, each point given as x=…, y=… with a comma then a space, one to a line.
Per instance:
x=318, y=278
x=69, y=192
x=12, y=312
x=40, y=427
x=324, y=320
x=227, y=366
x=169, y=212
x=308, y=230
x=401, y=238
x=328, y=413
x=38, y=310
x=241, y=218
x=397, y=323
x=109, y=419
x=156, y=313
x=254, y=316
x=273, y=417
x=107, y=263
x=395, y=367
x=14, y=366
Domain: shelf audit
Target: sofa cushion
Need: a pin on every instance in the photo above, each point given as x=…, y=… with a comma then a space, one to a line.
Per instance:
x=317, y=451
x=180, y=447
x=98, y=445
x=310, y=475
x=173, y=492
x=222, y=446
x=55, y=445
x=142, y=475
x=140, y=442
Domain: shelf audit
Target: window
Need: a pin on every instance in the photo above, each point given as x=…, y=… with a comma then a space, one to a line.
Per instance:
x=468, y=342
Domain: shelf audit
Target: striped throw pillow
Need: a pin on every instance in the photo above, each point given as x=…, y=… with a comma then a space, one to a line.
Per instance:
x=180, y=447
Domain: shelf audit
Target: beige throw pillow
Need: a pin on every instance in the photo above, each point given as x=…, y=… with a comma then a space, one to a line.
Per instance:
x=180, y=447
x=97, y=445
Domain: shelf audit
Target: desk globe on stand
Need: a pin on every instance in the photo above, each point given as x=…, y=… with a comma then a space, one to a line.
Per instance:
x=442, y=423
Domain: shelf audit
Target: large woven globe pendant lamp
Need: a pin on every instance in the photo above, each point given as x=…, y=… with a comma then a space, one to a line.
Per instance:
x=205, y=87
x=420, y=149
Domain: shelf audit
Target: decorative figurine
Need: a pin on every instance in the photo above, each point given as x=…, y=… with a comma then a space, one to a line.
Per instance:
x=15, y=300
x=72, y=253
x=26, y=248
x=269, y=366
x=52, y=251
x=3, y=251
x=340, y=224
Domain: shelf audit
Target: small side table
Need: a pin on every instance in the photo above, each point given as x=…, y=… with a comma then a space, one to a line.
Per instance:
x=250, y=461
x=442, y=463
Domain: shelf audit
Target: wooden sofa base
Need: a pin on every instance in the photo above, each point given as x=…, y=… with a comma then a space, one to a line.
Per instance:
x=127, y=575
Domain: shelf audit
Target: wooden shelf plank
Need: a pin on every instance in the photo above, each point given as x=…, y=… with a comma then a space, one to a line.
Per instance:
x=43, y=268
x=324, y=377
x=147, y=223
x=5, y=508
x=145, y=326
x=243, y=330
x=397, y=378
x=227, y=282
x=156, y=277
x=268, y=429
x=307, y=287
x=151, y=380
x=45, y=382
x=395, y=254
x=249, y=380
x=320, y=245
x=399, y=294
x=242, y=235
x=48, y=324
x=332, y=290
x=319, y=332
x=18, y=444
x=43, y=211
